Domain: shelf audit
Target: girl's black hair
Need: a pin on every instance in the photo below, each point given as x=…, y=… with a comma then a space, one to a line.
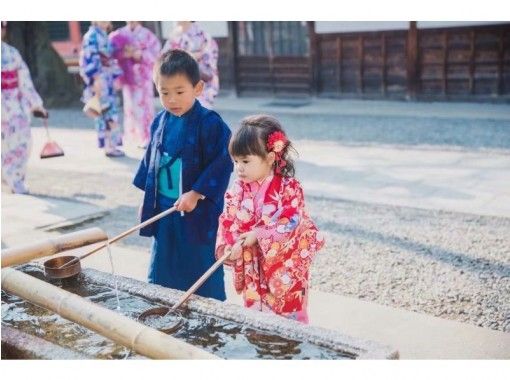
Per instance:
x=251, y=139
x=177, y=61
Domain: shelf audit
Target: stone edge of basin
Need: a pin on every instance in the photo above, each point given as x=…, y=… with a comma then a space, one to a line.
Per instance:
x=17, y=344
x=361, y=348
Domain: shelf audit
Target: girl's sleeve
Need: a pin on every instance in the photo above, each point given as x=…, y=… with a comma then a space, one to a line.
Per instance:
x=288, y=243
x=228, y=229
x=26, y=86
x=228, y=234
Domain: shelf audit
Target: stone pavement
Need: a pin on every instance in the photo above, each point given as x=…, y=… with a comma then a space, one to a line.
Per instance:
x=429, y=177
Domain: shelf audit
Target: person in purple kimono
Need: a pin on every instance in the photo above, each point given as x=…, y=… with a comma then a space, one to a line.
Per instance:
x=189, y=36
x=99, y=70
x=19, y=100
x=136, y=48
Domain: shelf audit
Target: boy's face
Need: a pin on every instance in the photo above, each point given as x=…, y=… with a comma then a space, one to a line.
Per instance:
x=177, y=94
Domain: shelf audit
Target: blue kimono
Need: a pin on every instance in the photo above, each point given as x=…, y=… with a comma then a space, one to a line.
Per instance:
x=183, y=247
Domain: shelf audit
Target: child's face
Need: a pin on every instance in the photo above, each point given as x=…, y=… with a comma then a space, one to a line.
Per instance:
x=252, y=167
x=177, y=94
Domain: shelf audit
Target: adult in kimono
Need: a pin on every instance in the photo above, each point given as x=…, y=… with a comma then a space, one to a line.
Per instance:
x=136, y=49
x=99, y=70
x=19, y=100
x=189, y=36
x=265, y=226
x=186, y=165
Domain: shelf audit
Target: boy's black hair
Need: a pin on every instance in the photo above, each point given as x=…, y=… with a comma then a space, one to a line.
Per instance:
x=177, y=61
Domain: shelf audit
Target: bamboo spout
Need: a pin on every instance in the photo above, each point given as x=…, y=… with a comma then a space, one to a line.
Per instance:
x=48, y=247
x=119, y=328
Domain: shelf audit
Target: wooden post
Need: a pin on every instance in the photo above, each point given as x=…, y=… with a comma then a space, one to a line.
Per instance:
x=472, y=61
x=339, y=59
x=119, y=328
x=232, y=44
x=412, y=60
x=26, y=253
x=384, y=60
x=501, y=56
x=445, y=62
x=314, y=58
x=361, y=53
x=74, y=32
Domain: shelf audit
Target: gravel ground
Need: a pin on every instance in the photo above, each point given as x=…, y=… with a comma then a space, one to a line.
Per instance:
x=450, y=265
x=446, y=264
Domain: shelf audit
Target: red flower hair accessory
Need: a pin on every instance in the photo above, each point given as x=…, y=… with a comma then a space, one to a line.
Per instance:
x=276, y=142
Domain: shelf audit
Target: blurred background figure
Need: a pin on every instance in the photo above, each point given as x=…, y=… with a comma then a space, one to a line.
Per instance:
x=136, y=49
x=189, y=36
x=19, y=100
x=99, y=69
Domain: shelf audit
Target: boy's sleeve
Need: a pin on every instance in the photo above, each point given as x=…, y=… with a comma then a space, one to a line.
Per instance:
x=214, y=138
x=143, y=169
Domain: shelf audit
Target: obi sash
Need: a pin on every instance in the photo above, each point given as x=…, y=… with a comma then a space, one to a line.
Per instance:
x=9, y=79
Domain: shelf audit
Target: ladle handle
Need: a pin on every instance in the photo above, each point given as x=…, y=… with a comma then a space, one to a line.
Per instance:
x=120, y=236
x=201, y=280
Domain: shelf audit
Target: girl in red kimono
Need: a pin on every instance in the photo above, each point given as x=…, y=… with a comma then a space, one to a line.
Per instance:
x=264, y=225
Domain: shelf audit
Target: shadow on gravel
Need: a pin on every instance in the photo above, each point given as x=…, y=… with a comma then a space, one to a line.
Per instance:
x=456, y=259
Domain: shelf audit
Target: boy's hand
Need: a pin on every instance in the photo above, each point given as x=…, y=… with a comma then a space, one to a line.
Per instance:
x=188, y=201
x=250, y=238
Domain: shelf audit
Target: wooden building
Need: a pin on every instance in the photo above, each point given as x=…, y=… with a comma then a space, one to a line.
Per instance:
x=367, y=60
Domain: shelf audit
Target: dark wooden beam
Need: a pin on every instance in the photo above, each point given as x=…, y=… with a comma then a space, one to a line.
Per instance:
x=339, y=59
x=412, y=60
x=384, y=59
x=232, y=45
x=314, y=57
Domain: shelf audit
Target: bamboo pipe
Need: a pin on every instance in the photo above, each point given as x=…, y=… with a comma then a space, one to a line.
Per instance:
x=48, y=247
x=119, y=328
x=120, y=236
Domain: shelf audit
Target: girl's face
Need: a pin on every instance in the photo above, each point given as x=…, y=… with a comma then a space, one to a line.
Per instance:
x=177, y=94
x=253, y=168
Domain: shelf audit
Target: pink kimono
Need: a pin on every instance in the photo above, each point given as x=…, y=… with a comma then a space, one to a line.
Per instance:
x=273, y=274
x=19, y=97
x=137, y=87
x=204, y=49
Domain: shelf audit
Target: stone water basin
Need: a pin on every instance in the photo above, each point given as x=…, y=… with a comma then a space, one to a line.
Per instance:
x=226, y=330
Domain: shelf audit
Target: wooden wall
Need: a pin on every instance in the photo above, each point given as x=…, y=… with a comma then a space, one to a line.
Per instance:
x=464, y=62
x=362, y=64
x=446, y=63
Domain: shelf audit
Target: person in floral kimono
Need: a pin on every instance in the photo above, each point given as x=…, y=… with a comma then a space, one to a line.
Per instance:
x=264, y=225
x=136, y=49
x=189, y=36
x=19, y=100
x=99, y=70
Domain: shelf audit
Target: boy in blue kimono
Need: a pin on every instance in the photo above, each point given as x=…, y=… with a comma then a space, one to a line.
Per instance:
x=187, y=165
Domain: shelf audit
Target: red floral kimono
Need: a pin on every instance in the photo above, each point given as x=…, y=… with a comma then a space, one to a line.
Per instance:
x=273, y=275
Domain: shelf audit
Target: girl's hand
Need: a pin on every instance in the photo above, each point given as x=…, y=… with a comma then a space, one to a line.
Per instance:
x=250, y=238
x=237, y=251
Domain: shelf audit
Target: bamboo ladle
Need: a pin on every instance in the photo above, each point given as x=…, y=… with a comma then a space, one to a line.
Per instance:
x=120, y=236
